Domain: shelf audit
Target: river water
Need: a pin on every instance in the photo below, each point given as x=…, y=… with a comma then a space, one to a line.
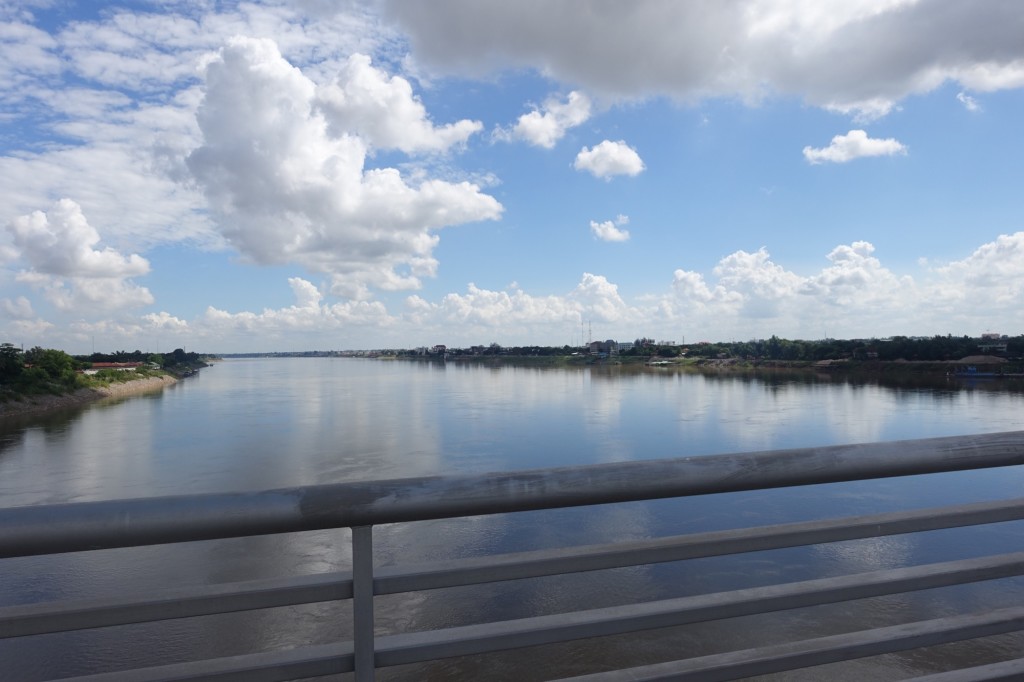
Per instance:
x=252, y=424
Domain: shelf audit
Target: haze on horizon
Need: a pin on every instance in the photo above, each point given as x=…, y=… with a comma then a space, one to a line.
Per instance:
x=286, y=176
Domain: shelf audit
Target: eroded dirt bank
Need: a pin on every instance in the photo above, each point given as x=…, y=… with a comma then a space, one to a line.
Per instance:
x=44, y=403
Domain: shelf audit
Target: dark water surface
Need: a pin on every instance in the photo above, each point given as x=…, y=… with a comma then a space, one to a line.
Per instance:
x=270, y=423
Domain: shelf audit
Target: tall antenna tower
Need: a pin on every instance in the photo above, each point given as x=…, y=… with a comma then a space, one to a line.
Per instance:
x=590, y=334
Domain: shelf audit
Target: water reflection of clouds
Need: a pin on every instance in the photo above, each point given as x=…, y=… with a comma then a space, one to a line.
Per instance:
x=742, y=414
x=514, y=386
x=515, y=417
x=253, y=424
x=604, y=421
x=119, y=449
x=102, y=451
x=752, y=416
x=320, y=421
x=624, y=415
x=365, y=428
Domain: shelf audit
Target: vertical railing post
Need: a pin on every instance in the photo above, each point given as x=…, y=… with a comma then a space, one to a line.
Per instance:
x=362, y=602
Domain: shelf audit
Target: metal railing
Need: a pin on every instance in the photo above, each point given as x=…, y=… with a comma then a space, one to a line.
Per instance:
x=37, y=530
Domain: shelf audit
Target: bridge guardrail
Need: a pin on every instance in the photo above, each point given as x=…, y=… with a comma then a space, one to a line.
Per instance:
x=26, y=531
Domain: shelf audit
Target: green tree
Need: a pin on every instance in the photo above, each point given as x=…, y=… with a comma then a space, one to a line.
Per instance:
x=11, y=362
x=56, y=365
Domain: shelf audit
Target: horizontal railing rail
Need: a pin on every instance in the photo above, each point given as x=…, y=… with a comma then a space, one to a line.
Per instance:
x=63, y=616
x=82, y=526
x=27, y=531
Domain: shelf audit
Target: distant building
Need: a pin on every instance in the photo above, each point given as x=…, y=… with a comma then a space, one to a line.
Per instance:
x=625, y=346
x=606, y=348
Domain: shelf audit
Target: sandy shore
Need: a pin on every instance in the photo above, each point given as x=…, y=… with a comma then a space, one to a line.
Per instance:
x=43, y=403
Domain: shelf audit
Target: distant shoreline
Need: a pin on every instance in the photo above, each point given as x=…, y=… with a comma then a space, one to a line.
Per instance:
x=933, y=368
x=45, y=403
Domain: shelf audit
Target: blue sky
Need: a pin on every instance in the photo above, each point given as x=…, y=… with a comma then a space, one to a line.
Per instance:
x=307, y=175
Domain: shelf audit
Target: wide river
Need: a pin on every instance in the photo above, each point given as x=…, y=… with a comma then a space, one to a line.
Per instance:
x=251, y=424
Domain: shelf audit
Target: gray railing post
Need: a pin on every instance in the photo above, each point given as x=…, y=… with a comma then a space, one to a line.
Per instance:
x=362, y=602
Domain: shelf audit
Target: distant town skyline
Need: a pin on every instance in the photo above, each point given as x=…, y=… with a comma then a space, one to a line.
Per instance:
x=276, y=176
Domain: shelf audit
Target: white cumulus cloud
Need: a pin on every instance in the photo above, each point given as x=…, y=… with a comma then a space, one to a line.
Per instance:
x=309, y=318
x=854, y=145
x=762, y=283
x=610, y=231
x=488, y=308
x=363, y=100
x=853, y=297
x=545, y=126
x=517, y=315
x=691, y=295
x=856, y=279
x=59, y=248
x=608, y=159
x=165, y=322
x=61, y=243
x=286, y=187
x=600, y=300
x=991, y=279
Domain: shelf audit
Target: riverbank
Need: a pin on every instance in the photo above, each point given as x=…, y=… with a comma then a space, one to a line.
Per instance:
x=45, y=403
x=837, y=368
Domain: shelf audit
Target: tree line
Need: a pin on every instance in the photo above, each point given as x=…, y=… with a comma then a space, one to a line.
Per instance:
x=166, y=361
x=47, y=370
x=911, y=348
x=924, y=349
x=37, y=369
